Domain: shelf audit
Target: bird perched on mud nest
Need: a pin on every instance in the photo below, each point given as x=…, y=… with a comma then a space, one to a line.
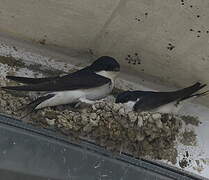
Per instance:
x=164, y=102
x=91, y=83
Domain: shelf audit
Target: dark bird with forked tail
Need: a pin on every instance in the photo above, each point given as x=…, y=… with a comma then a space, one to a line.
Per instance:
x=164, y=102
x=92, y=83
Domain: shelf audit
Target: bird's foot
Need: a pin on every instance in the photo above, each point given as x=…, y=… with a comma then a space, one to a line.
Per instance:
x=87, y=101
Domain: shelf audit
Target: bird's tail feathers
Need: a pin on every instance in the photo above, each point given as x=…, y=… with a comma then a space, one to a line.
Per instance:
x=31, y=107
x=27, y=80
x=196, y=95
x=186, y=92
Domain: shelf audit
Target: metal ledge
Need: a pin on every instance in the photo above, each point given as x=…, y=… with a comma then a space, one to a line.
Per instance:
x=27, y=152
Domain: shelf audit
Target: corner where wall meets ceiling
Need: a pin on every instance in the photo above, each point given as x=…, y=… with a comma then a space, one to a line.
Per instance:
x=167, y=40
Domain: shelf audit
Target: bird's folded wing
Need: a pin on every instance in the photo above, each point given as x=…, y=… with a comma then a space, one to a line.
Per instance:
x=79, y=80
x=27, y=80
x=155, y=100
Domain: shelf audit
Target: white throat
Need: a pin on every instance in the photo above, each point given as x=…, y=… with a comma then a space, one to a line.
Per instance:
x=130, y=104
x=108, y=74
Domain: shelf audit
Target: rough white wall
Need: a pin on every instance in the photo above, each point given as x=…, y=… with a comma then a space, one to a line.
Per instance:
x=67, y=23
x=171, y=37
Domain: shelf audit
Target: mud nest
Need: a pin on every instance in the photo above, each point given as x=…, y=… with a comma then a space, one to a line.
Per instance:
x=107, y=124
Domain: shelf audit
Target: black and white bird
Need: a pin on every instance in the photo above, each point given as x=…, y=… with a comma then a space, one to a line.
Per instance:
x=164, y=102
x=92, y=83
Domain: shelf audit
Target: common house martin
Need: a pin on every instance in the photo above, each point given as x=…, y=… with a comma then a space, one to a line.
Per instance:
x=91, y=83
x=164, y=102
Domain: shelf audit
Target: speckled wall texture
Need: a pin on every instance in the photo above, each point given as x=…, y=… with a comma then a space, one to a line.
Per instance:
x=164, y=38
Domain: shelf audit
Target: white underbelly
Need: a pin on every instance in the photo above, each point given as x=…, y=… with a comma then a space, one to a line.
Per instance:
x=98, y=93
x=67, y=97
x=62, y=97
x=129, y=105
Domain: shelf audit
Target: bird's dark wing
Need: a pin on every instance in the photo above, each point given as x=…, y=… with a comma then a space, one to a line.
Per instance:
x=154, y=100
x=79, y=80
x=27, y=80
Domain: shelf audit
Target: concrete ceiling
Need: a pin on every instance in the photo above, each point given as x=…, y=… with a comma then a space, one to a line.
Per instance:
x=165, y=39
